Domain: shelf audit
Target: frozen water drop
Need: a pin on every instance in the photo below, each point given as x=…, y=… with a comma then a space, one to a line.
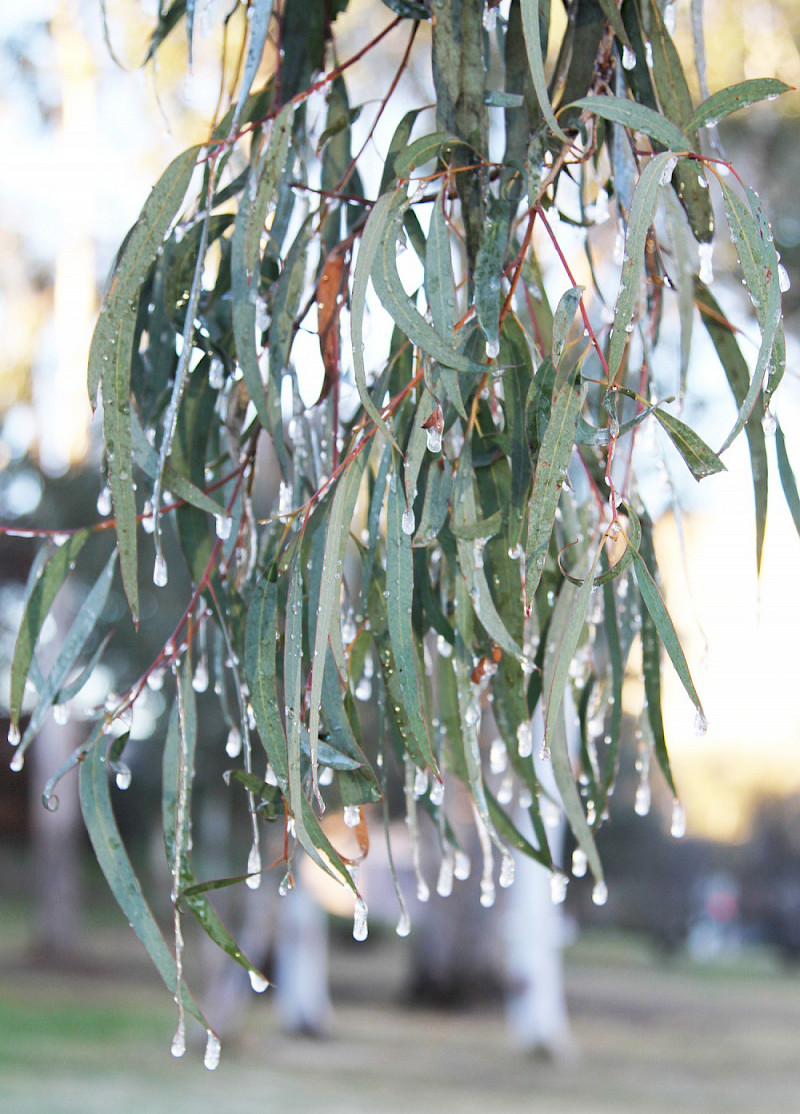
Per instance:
x=641, y=804
x=104, y=502
x=253, y=880
x=700, y=722
x=155, y=679
x=420, y=783
x=461, y=866
x=61, y=714
x=423, y=892
x=258, y=982
x=579, y=862
x=677, y=826
x=558, y=887
x=224, y=525
x=59, y=540
x=444, y=883
x=437, y=792
x=488, y=893
x=600, y=893
x=403, y=925
x=352, y=815
x=706, y=254
x=213, y=1049
x=13, y=735
x=360, y=928
x=507, y=870
x=434, y=440
x=525, y=739
x=769, y=424
x=628, y=58
x=489, y=18
x=216, y=373
x=364, y=689
x=492, y=349
x=123, y=776
x=671, y=16
x=160, y=571
x=233, y=747
x=498, y=756
x=784, y=282
x=408, y=522
x=17, y=762
x=200, y=678
x=179, y=1040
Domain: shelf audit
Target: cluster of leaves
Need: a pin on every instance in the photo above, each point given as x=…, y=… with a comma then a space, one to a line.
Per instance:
x=457, y=527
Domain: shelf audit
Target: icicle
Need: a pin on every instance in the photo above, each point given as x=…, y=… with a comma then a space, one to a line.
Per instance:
x=423, y=892
x=558, y=887
x=213, y=1049
x=253, y=880
x=706, y=254
x=360, y=928
x=487, y=874
x=678, y=824
x=462, y=866
x=444, y=883
x=179, y=1040
x=507, y=871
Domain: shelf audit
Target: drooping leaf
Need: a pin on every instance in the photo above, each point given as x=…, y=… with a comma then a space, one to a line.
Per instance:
x=110, y=852
x=642, y=211
x=259, y=13
x=43, y=591
x=563, y=318
x=533, y=42
x=666, y=631
x=699, y=458
x=551, y=470
x=84, y=623
x=786, y=474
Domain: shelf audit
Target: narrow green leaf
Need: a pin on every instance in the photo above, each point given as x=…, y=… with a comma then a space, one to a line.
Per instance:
x=642, y=211
x=726, y=101
x=563, y=318
x=670, y=80
x=439, y=285
x=551, y=469
x=259, y=13
x=611, y=12
x=563, y=636
x=110, y=852
x=398, y=143
x=752, y=235
x=328, y=603
x=136, y=258
x=52, y=575
x=390, y=290
x=375, y=231
x=651, y=671
x=400, y=587
x=666, y=631
x=533, y=45
x=489, y=276
x=83, y=625
x=788, y=481
x=408, y=9
x=637, y=117
x=701, y=460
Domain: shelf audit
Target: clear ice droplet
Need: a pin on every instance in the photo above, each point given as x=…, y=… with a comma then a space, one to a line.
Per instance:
x=224, y=525
x=408, y=522
x=700, y=722
x=123, y=776
x=628, y=58
x=784, y=282
x=434, y=440
x=233, y=747
x=352, y=815
x=403, y=925
x=360, y=929
x=13, y=735
x=492, y=349
x=179, y=1040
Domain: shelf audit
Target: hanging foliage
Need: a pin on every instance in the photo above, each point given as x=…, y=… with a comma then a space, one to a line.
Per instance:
x=456, y=525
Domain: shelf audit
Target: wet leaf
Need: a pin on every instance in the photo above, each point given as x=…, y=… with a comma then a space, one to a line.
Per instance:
x=699, y=458
x=533, y=42
x=722, y=104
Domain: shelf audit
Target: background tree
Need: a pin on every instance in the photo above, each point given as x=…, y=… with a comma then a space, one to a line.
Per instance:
x=456, y=530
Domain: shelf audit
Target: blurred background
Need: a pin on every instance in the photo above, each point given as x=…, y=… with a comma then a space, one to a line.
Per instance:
x=683, y=992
